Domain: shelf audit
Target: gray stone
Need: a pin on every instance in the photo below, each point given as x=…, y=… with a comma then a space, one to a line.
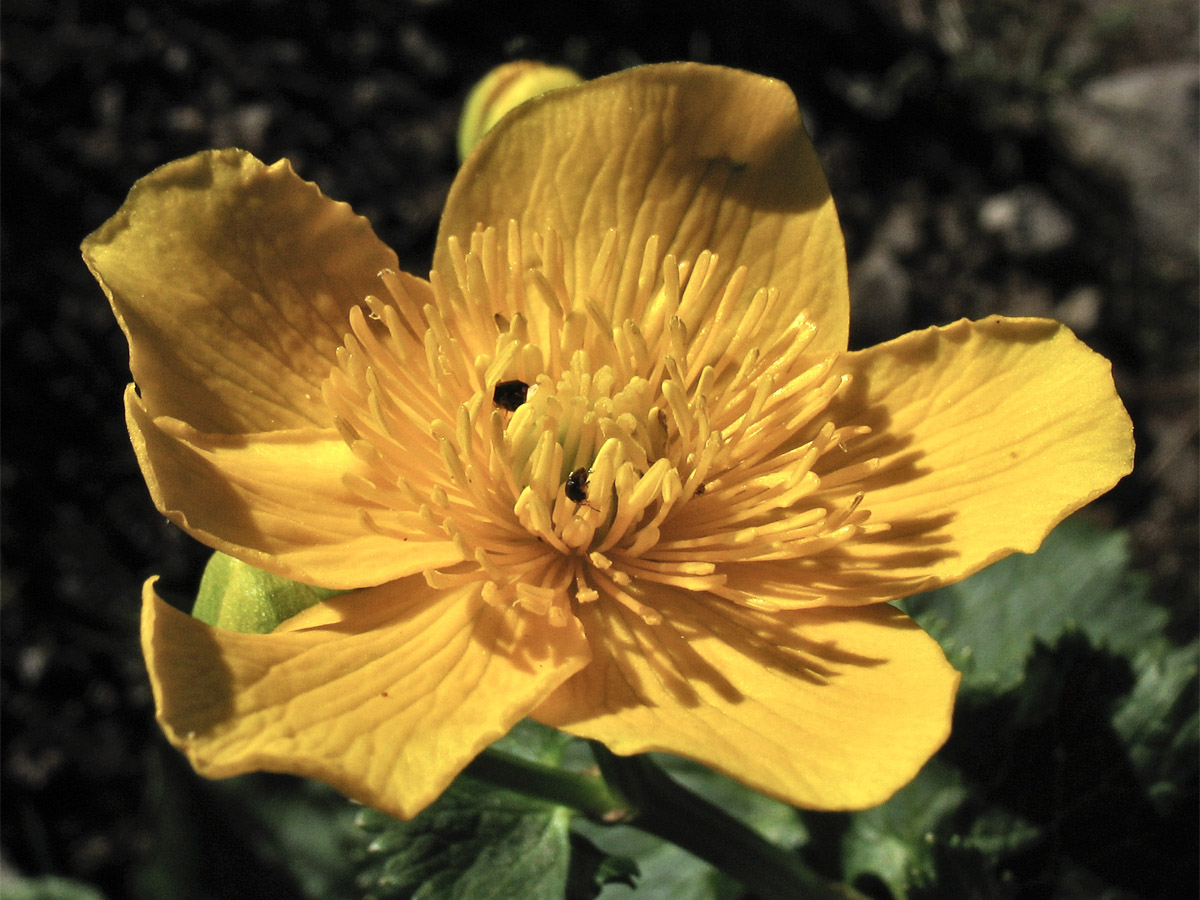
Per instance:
x=1140, y=130
x=879, y=295
x=900, y=232
x=1080, y=309
x=1027, y=220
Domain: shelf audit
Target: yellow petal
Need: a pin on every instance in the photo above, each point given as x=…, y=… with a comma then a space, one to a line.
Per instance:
x=989, y=434
x=706, y=158
x=232, y=281
x=275, y=501
x=832, y=708
x=387, y=699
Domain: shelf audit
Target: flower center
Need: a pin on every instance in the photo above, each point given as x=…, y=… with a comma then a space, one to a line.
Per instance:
x=588, y=444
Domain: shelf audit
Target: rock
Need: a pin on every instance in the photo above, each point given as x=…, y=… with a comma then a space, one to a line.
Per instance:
x=1027, y=220
x=1080, y=309
x=879, y=292
x=900, y=233
x=1139, y=129
x=1025, y=296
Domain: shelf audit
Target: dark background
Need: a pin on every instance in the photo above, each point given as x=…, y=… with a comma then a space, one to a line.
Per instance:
x=1020, y=158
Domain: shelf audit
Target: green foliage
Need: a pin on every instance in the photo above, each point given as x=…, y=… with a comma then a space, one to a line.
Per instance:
x=593, y=868
x=892, y=842
x=475, y=842
x=550, y=852
x=535, y=743
x=1076, y=732
x=1159, y=723
x=1014, y=58
x=666, y=871
x=251, y=836
x=308, y=833
x=669, y=873
x=47, y=887
x=239, y=597
x=777, y=821
x=482, y=841
x=1078, y=580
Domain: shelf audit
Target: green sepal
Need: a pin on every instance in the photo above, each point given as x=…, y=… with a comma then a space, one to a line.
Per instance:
x=238, y=597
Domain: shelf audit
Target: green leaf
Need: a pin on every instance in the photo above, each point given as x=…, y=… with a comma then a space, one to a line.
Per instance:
x=535, y=742
x=931, y=839
x=1159, y=724
x=271, y=835
x=47, y=887
x=667, y=872
x=239, y=597
x=778, y=822
x=592, y=870
x=1076, y=732
x=895, y=842
x=475, y=842
x=1077, y=581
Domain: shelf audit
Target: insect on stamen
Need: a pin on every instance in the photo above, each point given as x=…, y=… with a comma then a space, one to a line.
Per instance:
x=510, y=394
x=577, y=484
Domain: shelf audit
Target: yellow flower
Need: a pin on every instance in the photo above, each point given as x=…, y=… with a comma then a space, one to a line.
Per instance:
x=680, y=537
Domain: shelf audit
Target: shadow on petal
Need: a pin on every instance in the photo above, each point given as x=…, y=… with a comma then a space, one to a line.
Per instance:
x=777, y=640
x=830, y=708
x=987, y=434
x=643, y=660
x=193, y=686
x=385, y=695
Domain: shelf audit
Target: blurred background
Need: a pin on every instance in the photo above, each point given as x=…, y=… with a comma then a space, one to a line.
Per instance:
x=1022, y=158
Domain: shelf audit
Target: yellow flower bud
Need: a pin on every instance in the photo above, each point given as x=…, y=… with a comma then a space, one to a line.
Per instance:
x=502, y=89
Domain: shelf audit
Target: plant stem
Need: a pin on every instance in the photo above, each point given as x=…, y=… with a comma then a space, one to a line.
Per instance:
x=587, y=794
x=668, y=810
x=636, y=792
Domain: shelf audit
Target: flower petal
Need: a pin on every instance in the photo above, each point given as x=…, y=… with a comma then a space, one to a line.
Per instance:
x=385, y=694
x=707, y=158
x=274, y=500
x=988, y=433
x=832, y=708
x=232, y=282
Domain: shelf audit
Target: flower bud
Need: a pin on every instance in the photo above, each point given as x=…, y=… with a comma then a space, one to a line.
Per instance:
x=502, y=89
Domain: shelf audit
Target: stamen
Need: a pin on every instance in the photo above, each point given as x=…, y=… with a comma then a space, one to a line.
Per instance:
x=598, y=443
x=609, y=588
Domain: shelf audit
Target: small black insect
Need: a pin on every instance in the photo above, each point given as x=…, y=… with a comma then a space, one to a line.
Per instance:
x=510, y=394
x=576, y=486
